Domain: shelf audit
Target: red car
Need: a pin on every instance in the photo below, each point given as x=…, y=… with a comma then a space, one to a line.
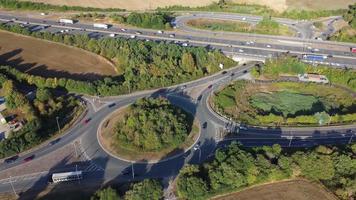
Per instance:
x=29, y=158
x=87, y=121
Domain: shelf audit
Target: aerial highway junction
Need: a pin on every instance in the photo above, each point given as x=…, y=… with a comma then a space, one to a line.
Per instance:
x=211, y=137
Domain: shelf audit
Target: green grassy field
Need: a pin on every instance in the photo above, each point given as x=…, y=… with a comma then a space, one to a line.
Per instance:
x=285, y=104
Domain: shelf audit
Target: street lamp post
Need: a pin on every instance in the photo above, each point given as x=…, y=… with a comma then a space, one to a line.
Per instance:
x=199, y=154
x=59, y=128
x=132, y=170
x=350, y=140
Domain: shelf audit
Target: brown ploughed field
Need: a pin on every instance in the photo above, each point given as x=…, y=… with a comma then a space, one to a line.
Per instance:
x=48, y=59
x=291, y=190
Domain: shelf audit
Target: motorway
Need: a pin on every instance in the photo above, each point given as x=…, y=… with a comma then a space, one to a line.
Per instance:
x=210, y=137
x=238, y=44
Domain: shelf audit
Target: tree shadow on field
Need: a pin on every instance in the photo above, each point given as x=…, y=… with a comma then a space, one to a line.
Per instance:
x=14, y=59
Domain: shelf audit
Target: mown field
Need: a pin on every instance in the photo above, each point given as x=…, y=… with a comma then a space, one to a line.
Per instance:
x=297, y=189
x=39, y=57
x=265, y=27
x=285, y=104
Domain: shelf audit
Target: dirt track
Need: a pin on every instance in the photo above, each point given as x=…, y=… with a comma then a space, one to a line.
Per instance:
x=49, y=59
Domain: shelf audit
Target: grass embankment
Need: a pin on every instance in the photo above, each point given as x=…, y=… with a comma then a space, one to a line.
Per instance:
x=120, y=137
x=285, y=104
x=266, y=26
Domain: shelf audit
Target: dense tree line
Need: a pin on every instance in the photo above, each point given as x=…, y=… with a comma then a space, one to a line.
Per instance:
x=146, y=189
x=153, y=124
x=38, y=114
x=154, y=20
x=236, y=167
x=142, y=64
x=28, y=5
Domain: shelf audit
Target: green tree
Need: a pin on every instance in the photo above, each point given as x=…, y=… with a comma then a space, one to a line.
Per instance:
x=43, y=94
x=105, y=194
x=147, y=189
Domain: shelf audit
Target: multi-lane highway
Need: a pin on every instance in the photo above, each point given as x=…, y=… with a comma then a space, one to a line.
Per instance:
x=238, y=44
x=210, y=137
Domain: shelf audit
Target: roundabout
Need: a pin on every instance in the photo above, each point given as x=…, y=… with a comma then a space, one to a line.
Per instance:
x=120, y=170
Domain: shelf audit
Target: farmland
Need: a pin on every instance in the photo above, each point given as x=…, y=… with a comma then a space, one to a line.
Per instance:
x=39, y=57
x=298, y=189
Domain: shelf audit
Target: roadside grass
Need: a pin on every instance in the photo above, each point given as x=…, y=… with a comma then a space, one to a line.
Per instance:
x=266, y=26
x=108, y=140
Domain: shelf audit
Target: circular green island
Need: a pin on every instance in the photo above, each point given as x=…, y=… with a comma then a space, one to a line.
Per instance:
x=151, y=129
x=285, y=104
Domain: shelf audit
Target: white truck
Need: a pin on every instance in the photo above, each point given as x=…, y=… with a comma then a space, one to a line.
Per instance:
x=66, y=21
x=98, y=25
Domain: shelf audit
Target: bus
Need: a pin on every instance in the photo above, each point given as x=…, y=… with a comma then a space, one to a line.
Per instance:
x=67, y=176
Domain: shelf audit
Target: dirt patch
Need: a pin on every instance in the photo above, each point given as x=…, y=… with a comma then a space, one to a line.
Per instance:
x=296, y=190
x=49, y=59
x=106, y=138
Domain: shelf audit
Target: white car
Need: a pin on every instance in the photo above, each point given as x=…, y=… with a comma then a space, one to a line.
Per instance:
x=123, y=29
x=171, y=35
x=132, y=36
x=160, y=32
x=138, y=33
x=196, y=147
x=244, y=18
x=316, y=50
x=241, y=50
x=184, y=44
x=243, y=128
x=112, y=34
x=268, y=46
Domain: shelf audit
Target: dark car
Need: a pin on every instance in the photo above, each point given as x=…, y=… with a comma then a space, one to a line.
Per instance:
x=210, y=86
x=112, y=105
x=29, y=158
x=199, y=97
x=224, y=72
x=55, y=141
x=245, y=71
x=11, y=159
x=205, y=124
